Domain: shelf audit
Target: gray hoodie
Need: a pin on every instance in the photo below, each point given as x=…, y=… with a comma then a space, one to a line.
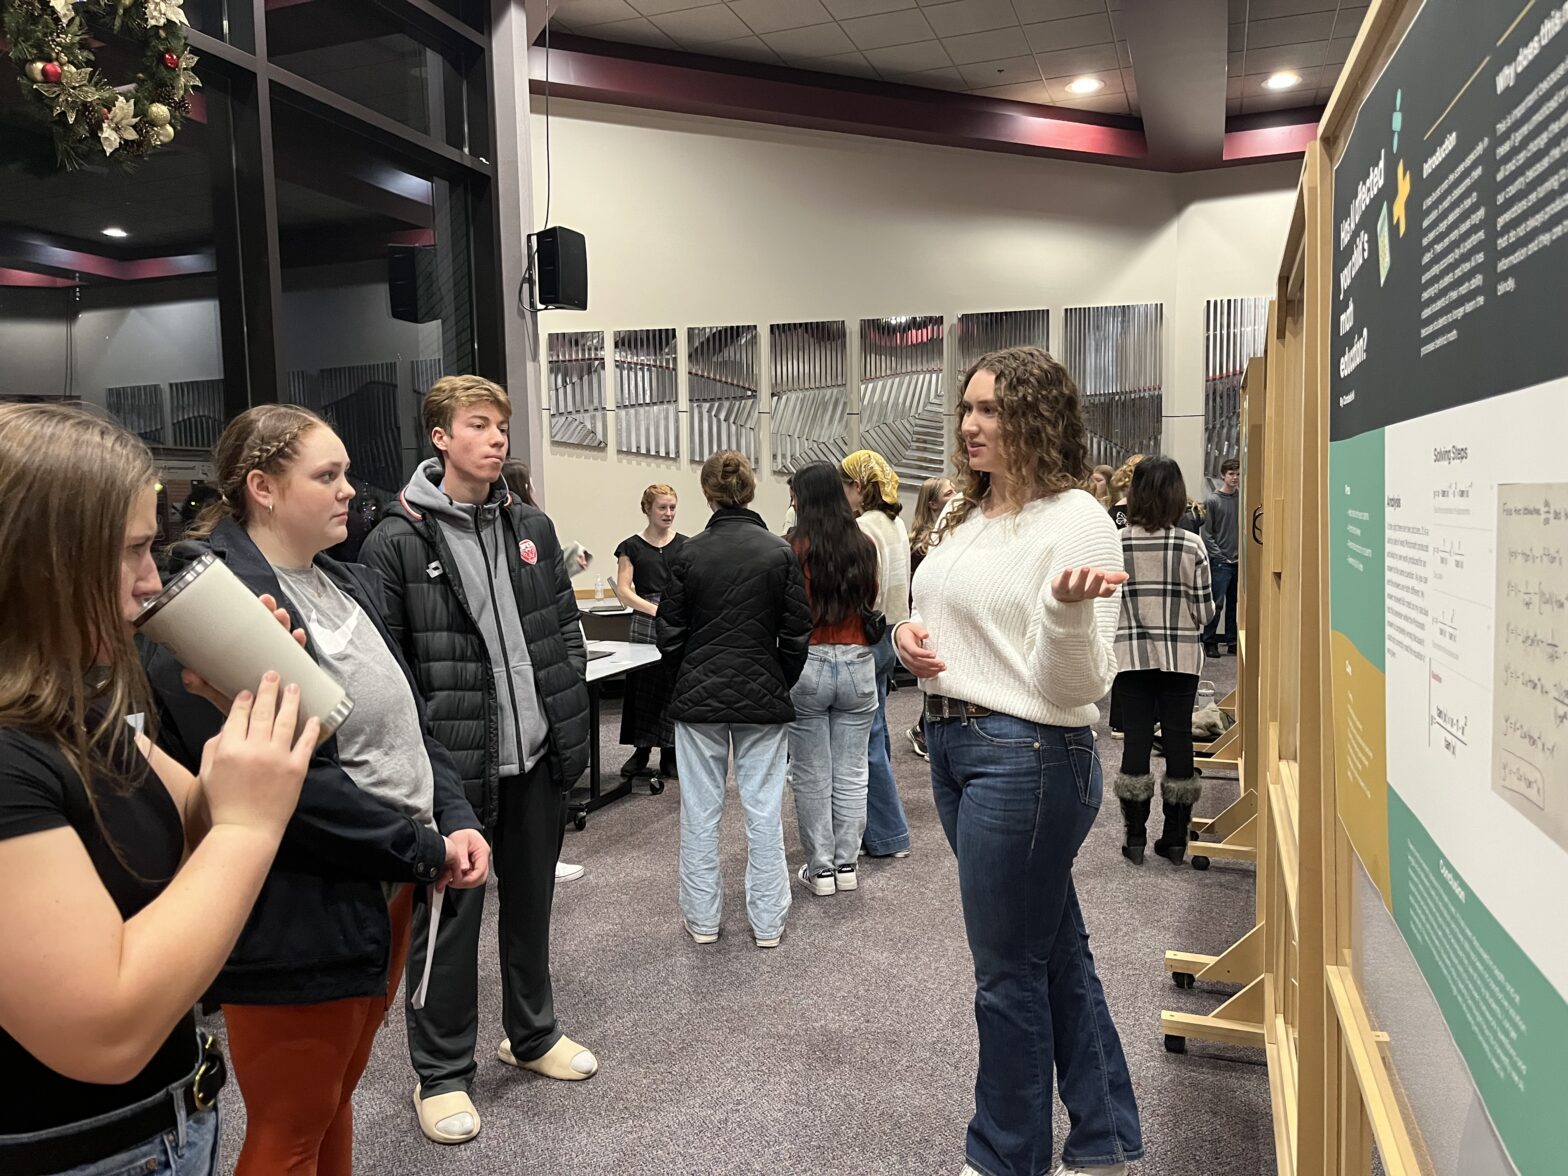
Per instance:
x=473, y=535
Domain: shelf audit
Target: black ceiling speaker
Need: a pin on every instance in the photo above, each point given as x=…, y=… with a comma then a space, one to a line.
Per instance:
x=413, y=283
x=560, y=269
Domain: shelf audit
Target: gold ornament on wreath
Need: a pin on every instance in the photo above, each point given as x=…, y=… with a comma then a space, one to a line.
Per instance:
x=94, y=117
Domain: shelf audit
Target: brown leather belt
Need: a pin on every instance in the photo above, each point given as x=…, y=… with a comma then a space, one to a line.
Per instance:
x=939, y=707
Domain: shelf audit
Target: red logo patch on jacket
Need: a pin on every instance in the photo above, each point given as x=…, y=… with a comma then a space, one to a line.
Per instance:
x=528, y=551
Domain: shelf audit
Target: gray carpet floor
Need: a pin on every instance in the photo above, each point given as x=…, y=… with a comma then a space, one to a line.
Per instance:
x=851, y=1048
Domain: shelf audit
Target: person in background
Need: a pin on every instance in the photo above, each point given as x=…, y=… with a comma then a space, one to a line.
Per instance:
x=934, y=495
x=872, y=489
x=1121, y=480
x=479, y=598
x=1100, y=484
x=735, y=624
x=1222, y=533
x=1166, y=601
x=642, y=568
x=836, y=695
x=1012, y=636
x=382, y=812
x=102, y=1068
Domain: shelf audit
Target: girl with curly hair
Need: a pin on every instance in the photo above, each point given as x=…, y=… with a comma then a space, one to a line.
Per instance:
x=1013, y=637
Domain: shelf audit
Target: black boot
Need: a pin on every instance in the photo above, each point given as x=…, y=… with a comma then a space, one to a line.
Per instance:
x=637, y=763
x=1134, y=793
x=1135, y=813
x=667, y=763
x=1177, y=798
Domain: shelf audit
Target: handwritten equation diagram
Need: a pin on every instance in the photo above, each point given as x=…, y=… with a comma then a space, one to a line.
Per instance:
x=1530, y=689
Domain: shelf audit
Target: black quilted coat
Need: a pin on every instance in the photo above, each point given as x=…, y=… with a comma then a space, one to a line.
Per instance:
x=430, y=618
x=734, y=618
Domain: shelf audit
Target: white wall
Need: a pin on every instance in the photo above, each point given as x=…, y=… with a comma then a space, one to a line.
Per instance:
x=699, y=222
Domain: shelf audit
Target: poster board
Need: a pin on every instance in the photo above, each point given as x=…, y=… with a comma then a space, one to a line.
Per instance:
x=1448, y=532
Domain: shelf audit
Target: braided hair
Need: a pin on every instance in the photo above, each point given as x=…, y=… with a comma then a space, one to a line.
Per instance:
x=264, y=438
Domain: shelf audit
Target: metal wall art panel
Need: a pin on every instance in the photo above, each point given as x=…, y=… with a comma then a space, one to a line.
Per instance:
x=360, y=402
x=577, y=388
x=1235, y=330
x=901, y=385
x=810, y=412
x=647, y=381
x=979, y=334
x=721, y=387
x=426, y=372
x=1113, y=353
x=139, y=407
x=195, y=413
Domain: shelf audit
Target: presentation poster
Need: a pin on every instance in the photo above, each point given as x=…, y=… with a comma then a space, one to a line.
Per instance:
x=1448, y=486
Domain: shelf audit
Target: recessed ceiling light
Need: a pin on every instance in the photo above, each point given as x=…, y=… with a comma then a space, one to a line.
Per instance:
x=1085, y=86
x=1283, y=80
x=111, y=231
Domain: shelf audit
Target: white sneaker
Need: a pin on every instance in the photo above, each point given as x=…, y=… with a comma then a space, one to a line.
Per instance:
x=772, y=941
x=566, y=872
x=846, y=878
x=819, y=884
x=700, y=936
x=1063, y=1169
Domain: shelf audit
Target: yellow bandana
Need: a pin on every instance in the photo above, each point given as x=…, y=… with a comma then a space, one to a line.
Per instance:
x=866, y=466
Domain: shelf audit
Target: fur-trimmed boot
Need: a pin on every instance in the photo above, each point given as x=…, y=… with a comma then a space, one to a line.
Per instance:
x=1177, y=797
x=1134, y=792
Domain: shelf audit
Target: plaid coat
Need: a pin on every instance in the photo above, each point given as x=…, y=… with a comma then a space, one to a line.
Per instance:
x=1166, y=601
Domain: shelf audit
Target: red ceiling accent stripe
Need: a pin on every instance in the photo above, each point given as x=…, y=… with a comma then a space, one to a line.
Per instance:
x=1269, y=142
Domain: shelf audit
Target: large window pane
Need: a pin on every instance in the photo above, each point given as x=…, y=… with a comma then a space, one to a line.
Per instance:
x=350, y=350
x=357, y=51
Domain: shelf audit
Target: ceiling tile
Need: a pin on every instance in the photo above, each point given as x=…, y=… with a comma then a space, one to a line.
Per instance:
x=580, y=14
x=823, y=40
x=908, y=59
x=1001, y=73
x=1289, y=30
x=1030, y=11
x=1019, y=92
x=743, y=49
x=991, y=46
x=1270, y=9
x=702, y=26
x=660, y=7
x=1238, y=38
x=639, y=31
x=848, y=9
x=890, y=28
x=1348, y=22
x=971, y=16
x=1238, y=10
x=1339, y=50
x=1234, y=86
x=1233, y=63
x=1253, y=103
x=772, y=16
x=935, y=79
x=1311, y=79
x=852, y=64
x=1070, y=34
x=1112, y=85
x=1085, y=59
x=1233, y=106
x=1124, y=54
x=1104, y=103
x=1308, y=55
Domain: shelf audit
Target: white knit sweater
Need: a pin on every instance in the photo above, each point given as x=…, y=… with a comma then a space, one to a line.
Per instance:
x=892, y=540
x=984, y=592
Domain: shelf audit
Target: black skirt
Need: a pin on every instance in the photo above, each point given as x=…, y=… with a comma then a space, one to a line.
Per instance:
x=645, y=712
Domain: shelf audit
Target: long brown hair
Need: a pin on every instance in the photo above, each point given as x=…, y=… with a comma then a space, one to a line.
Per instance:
x=927, y=510
x=264, y=438
x=69, y=672
x=1045, y=447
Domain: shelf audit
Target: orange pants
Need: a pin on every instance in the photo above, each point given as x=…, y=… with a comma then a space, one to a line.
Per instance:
x=298, y=1065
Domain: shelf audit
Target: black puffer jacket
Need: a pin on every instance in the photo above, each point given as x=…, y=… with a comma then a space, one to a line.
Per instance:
x=430, y=618
x=734, y=618
x=319, y=930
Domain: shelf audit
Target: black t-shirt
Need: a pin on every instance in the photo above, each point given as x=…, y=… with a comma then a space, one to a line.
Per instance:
x=38, y=792
x=650, y=564
x=1119, y=515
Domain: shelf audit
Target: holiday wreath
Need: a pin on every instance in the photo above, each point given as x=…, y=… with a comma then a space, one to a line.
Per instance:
x=48, y=40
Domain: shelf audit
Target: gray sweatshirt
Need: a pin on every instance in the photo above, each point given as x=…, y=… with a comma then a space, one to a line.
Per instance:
x=1222, y=526
x=474, y=537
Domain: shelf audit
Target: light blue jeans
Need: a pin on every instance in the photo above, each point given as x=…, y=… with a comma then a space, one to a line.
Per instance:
x=165, y=1155
x=887, y=829
x=703, y=752
x=835, y=701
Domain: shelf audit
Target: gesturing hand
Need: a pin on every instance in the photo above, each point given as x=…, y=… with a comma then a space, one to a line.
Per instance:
x=919, y=660
x=1075, y=584
x=467, y=861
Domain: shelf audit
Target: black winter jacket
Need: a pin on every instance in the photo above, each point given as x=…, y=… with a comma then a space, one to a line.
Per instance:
x=735, y=620
x=319, y=930
x=431, y=620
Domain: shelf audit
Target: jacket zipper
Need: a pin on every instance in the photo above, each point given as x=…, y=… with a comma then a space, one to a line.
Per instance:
x=500, y=633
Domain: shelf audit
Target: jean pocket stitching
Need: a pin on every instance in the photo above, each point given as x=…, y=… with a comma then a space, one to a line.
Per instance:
x=994, y=741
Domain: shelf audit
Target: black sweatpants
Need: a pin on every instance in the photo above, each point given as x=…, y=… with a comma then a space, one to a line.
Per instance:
x=442, y=1036
x=1157, y=696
